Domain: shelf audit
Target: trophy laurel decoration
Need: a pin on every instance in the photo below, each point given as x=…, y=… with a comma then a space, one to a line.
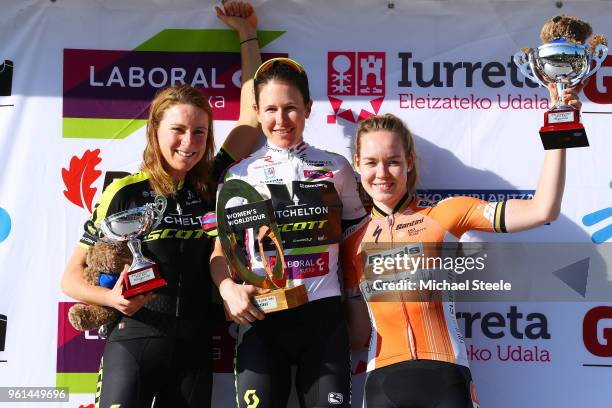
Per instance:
x=233, y=225
x=565, y=61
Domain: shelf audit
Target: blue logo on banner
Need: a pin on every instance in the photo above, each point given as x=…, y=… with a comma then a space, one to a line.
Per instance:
x=5, y=224
x=604, y=234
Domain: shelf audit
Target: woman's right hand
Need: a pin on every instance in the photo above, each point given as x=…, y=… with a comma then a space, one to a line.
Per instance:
x=237, y=299
x=115, y=299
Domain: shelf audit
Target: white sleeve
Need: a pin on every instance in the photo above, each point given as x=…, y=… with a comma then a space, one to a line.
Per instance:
x=352, y=208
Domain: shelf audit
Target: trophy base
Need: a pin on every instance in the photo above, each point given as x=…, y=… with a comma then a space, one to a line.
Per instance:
x=563, y=138
x=281, y=299
x=562, y=129
x=142, y=280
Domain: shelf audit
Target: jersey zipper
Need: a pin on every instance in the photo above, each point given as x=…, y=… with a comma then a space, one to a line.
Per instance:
x=410, y=331
x=180, y=271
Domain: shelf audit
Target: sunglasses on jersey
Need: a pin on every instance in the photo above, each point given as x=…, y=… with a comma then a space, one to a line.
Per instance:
x=266, y=66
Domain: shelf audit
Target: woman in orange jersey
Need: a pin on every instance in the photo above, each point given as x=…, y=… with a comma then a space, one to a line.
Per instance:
x=417, y=357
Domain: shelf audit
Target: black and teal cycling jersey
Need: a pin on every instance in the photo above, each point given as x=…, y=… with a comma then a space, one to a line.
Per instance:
x=180, y=246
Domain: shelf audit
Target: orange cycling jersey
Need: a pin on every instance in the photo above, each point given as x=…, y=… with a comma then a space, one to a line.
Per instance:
x=408, y=325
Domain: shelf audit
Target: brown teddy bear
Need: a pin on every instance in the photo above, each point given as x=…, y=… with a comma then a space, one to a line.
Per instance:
x=572, y=29
x=103, y=257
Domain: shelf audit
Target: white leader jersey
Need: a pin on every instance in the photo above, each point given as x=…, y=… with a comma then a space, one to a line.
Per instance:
x=315, y=198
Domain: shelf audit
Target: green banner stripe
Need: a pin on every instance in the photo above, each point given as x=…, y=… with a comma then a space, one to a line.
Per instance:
x=77, y=383
x=309, y=250
x=82, y=128
x=210, y=40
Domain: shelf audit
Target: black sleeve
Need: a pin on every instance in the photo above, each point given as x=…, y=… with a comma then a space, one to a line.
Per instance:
x=221, y=162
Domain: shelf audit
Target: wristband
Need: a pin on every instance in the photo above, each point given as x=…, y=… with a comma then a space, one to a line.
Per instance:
x=247, y=40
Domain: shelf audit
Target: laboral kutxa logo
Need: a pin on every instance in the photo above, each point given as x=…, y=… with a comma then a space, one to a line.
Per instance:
x=106, y=93
x=356, y=79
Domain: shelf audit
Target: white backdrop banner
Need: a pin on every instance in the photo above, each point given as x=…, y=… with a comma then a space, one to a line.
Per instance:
x=76, y=77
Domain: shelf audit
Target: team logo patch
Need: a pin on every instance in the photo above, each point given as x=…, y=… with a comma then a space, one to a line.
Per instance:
x=209, y=224
x=269, y=172
x=335, y=398
x=305, y=266
x=489, y=212
x=318, y=174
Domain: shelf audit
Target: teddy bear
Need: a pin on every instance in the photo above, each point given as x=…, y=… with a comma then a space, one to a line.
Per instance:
x=572, y=29
x=102, y=258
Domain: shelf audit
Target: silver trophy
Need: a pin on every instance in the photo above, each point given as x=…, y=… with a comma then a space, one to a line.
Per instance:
x=128, y=225
x=565, y=64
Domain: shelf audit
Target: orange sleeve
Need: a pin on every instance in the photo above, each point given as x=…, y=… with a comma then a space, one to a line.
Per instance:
x=461, y=214
x=350, y=264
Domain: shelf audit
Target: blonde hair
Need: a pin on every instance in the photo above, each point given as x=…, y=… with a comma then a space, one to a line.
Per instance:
x=395, y=125
x=199, y=177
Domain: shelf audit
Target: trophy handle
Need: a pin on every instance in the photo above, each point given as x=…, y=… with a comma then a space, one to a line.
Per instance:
x=158, y=207
x=601, y=51
x=108, y=232
x=525, y=66
x=278, y=275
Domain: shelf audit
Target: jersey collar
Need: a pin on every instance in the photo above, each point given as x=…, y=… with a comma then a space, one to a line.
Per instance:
x=295, y=149
x=399, y=207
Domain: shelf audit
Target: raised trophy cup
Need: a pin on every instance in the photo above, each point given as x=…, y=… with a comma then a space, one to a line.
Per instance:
x=128, y=225
x=564, y=61
x=238, y=225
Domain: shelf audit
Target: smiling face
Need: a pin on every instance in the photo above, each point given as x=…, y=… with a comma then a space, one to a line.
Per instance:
x=182, y=136
x=282, y=113
x=383, y=167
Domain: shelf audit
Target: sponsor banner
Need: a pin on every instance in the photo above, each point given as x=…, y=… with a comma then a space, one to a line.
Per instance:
x=106, y=93
x=430, y=197
x=120, y=84
x=78, y=355
x=67, y=133
x=599, y=88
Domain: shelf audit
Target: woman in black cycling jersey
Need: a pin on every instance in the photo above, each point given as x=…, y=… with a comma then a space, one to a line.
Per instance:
x=160, y=347
x=314, y=194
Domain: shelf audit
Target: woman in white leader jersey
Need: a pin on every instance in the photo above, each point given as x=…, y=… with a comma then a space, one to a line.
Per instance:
x=315, y=198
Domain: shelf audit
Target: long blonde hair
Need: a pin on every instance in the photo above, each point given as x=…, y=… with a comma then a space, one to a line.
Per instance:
x=199, y=177
x=395, y=125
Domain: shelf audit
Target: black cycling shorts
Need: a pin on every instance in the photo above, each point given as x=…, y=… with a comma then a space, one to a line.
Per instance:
x=174, y=371
x=420, y=384
x=312, y=337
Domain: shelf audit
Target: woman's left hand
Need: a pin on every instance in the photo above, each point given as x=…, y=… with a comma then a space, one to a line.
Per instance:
x=570, y=95
x=238, y=15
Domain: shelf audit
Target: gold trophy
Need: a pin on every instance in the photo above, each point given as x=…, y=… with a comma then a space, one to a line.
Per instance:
x=239, y=224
